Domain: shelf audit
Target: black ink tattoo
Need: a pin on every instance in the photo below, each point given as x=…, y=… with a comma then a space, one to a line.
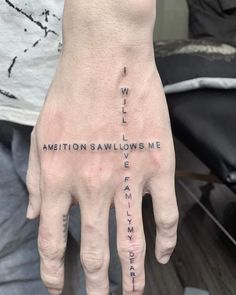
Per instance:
x=133, y=284
x=126, y=155
x=125, y=91
x=99, y=147
x=123, y=110
x=127, y=186
x=126, y=147
x=125, y=138
x=124, y=120
x=126, y=164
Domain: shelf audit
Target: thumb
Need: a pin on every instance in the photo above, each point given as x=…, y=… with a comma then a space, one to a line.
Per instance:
x=32, y=181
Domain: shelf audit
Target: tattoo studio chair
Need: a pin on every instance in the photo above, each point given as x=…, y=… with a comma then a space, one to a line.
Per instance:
x=199, y=78
x=200, y=85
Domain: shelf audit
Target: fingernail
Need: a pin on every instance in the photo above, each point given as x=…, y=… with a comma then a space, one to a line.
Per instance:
x=30, y=212
x=164, y=259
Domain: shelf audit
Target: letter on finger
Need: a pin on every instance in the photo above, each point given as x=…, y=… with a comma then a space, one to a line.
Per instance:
x=130, y=238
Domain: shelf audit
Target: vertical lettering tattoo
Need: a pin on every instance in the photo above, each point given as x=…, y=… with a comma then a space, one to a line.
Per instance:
x=127, y=191
x=125, y=71
x=125, y=93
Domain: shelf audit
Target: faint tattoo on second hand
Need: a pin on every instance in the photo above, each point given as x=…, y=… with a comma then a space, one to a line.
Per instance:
x=65, y=226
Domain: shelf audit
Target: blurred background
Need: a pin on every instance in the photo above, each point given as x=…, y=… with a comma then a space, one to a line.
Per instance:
x=172, y=20
x=196, y=57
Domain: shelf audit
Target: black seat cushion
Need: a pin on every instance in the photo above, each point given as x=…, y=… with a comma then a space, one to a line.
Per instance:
x=199, y=78
x=213, y=19
x=205, y=121
x=191, y=64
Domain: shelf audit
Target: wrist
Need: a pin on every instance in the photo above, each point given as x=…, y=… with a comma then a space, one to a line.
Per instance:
x=99, y=72
x=102, y=24
x=99, y=40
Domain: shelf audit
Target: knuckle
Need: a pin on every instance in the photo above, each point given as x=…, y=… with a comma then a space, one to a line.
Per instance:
x=167, y=222
x=165, y=163
x=97, y=288
x=55, y=280
x=168, y=246
x=52, y=266
x=94, y=184
x=49, y=249
x=49, y=178
x=54, y=169
x=92, y=261
x=138, y=248
x=54, y=181
x=155, y=159
x=90, y=228
x=50, y=252
x=95, y=179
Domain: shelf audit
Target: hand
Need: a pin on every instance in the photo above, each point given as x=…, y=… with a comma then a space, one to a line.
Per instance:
x=103, y=137
x=60, y=175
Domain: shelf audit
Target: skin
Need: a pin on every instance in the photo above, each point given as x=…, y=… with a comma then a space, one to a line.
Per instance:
x=84, y=104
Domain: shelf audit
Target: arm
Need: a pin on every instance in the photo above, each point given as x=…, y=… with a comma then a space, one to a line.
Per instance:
x=103, y=137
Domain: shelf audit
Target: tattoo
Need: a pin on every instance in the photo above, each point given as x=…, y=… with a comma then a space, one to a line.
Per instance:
x=125, y=91
x=125, y=146
x=127, y=191
x=65, y=219
x=106, y=147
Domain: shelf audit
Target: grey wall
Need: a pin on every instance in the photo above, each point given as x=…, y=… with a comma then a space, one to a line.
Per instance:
x=172, y=20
